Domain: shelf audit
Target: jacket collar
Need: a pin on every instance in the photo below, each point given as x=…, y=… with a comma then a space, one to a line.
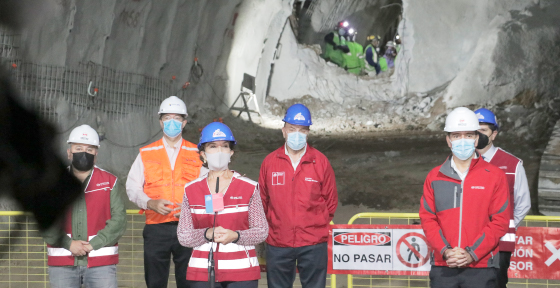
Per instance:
x=309, y=155
x=448, y=171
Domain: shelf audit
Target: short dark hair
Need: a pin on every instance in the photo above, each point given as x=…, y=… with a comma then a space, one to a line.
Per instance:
x=203, y=147
x=490, y=125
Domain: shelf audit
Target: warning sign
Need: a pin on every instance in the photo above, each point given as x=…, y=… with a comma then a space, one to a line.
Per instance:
x=537, y=254
x=403, y=250
x=412, y=250
x=379, y=249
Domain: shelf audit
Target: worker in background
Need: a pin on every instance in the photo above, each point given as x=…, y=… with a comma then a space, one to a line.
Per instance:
x=398, y=43
x=156, y=184
x=299, y=195
x=517, y=185
x=371, y=61
x=335, y=45
x=387, y=61
x=353, y=60
x=84, y=250
x=464, y=210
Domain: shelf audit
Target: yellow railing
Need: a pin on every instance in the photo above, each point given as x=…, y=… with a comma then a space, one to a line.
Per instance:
x=23, y=261
x=422, y=281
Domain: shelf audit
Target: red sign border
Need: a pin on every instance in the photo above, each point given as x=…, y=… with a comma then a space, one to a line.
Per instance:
x=399, y=255
x=369, y=272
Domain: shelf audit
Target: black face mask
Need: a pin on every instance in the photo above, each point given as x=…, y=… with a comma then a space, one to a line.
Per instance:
x=82, y=161
x=483, y=141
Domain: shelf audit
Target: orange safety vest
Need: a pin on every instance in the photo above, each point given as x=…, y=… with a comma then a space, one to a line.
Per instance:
x=163, y=183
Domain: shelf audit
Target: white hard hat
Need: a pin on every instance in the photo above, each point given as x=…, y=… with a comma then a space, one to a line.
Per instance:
x=390, y=44
x=173, y=105
x=84, y=135
x=461, y=119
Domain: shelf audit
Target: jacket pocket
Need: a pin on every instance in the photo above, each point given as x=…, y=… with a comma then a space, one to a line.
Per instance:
x=447, y=195
x=153, y=172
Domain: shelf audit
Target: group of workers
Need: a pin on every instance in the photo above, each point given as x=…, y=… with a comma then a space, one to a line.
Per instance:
x=342, y=49
x=469, y=210
x=172, y=180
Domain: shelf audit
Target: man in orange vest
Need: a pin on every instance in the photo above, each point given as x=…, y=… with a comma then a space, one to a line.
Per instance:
x=84, y=250
x=156, y=184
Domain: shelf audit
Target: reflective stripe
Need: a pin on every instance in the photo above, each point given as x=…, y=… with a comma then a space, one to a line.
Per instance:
x=105, y=251
x=152, y=148
x=511, y=224
x=189, y=149
x=238, y=264
x=231, y=247
x=58, y=252
x=225, y=211
x=198, y=263
x=97, y=189
x=206, y=247
x=509, y=237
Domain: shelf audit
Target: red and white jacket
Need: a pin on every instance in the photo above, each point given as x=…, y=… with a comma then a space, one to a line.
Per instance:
x=472, y=214
x=233, y=262
x=300, y=204
x=98, y=206
x=508, y=163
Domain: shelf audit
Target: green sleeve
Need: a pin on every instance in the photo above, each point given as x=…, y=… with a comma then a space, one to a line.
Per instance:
x=115, y=226
x=54, y=236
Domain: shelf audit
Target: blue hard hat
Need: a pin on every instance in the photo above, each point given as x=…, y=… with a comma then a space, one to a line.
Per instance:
x=486, y=116
x=215, y=131
x=298, y=114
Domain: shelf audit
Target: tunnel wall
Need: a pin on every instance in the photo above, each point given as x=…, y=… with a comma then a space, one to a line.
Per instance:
x=149, y=46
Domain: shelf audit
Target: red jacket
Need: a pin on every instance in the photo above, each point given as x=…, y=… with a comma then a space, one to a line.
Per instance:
x=472, y=214
x=299, y=205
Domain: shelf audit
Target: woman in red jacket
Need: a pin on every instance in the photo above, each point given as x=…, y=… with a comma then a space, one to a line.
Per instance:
x=238, y=227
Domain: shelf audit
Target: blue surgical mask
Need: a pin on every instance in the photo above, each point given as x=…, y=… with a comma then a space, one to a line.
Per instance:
x=463, y=148
x=296, y=140
x=172, y=127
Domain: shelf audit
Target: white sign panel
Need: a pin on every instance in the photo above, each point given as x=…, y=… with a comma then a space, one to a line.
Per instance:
x=380, y=249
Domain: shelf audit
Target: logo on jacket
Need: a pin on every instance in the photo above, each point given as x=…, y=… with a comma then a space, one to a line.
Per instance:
x=104, y=183
x=477, y=187
x=363, y=239
x=299, y=117
x=218, y=133
x=310, y=179
x=236, y=197
x=503, y=167
x=278, y=178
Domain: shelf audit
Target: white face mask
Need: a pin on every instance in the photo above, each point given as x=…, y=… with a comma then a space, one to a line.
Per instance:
x=218, y=161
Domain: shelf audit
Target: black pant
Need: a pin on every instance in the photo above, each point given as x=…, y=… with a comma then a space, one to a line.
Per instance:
x=311, y=263
x=445, y=277
x=504, y=267
x=160, y=242
x=238, y=284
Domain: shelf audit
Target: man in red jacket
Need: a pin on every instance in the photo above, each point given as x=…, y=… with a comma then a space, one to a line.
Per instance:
x=299, y=197
x=464, y=210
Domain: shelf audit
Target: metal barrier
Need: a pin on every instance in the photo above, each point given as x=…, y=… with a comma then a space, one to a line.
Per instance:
x=23, y=258
x=422, y=281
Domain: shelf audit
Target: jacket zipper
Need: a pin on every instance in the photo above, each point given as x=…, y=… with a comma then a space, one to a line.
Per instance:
x=461, y=213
